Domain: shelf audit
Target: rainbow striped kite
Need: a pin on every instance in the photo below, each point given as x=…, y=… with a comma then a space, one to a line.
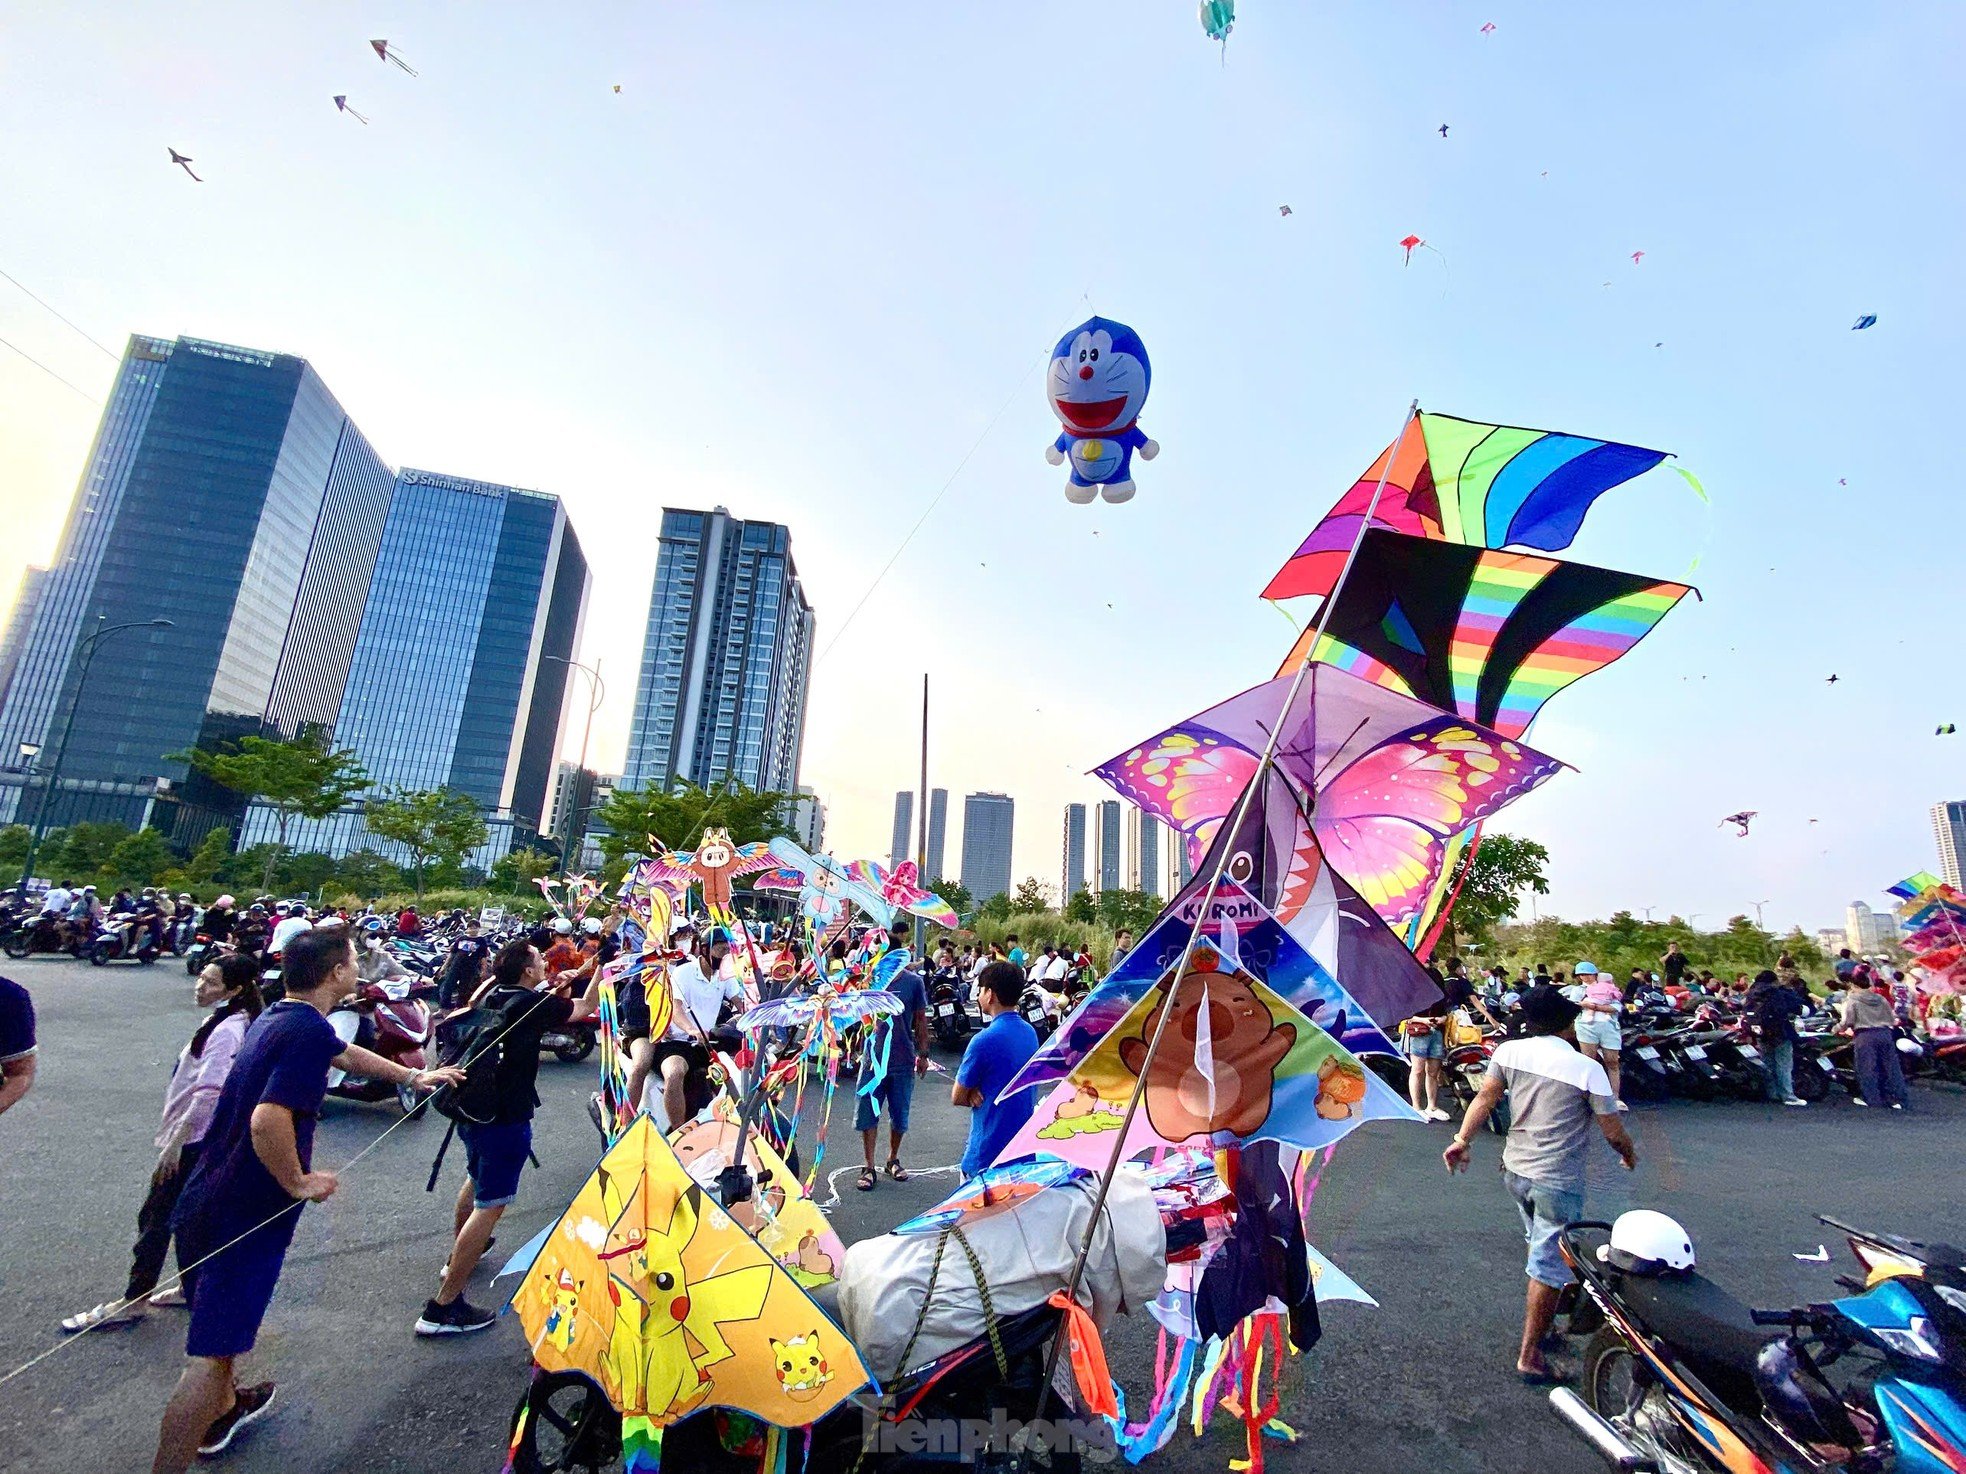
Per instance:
x=1460, y=481
x=1487, y=635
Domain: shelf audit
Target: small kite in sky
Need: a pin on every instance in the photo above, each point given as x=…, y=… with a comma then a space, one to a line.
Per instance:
x=1443, y=130
x=1843, y=481
x=617, y=86
x=1283, y=210
x=1741, y=819
x=1946, y=729
x=1869, y=319
x=1488, y=29
x=1414, y=243
x=1637, y=256
x=1834, y=678
x=382, y=50
x=1218, y=18
x=341, y=102
x=183, y=162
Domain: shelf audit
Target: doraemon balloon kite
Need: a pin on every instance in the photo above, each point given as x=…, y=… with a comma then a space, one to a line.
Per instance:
x=1098, y=382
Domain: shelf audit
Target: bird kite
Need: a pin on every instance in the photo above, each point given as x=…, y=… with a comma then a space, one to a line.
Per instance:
x=1443, y=130
x=1283, y=210
x=1833, y=679
x=1637, y=256
x=1946, y=729
x=341, y=102
x=1869, y=319
x=184, y=163
x=382, y=51
x=1741, y=819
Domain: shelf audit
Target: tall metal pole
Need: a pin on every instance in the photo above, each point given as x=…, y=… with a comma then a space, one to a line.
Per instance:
x=89, y=644
x=921, y=826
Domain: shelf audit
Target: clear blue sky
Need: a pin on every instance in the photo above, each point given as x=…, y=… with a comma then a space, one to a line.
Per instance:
x=803, y=258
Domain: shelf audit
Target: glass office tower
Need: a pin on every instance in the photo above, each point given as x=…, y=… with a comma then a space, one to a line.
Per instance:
x=229, y=493
x=458, y=675
x=987, y=822
x=722, y=690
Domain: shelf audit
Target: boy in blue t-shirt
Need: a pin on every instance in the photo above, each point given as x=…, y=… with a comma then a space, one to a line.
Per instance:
x=992, y=1059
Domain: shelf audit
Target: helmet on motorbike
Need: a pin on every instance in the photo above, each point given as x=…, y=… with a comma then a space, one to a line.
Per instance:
x=592, y=926
x=562, y=926
x=374, y=923
x=1649, y=1243
x=184, y=895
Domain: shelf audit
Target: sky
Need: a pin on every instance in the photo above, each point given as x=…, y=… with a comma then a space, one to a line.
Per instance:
x=808, y=264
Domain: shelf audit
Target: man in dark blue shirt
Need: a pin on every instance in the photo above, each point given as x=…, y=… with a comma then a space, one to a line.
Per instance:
x=994, y=1056
x=17, y=1043
x=904, y=1037
x=239, y=1206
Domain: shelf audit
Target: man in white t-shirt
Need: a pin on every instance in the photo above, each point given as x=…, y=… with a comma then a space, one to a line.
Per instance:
x=1555, y=1094
x=57, y=900
x=699, y=993
x=291, y=925
x=1056, y=965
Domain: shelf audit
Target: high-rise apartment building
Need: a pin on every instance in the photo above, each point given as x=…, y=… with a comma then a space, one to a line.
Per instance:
x=1949, y=829
x=576, y=793
x=228, y=493
x=725, y=663
x=901, y=843
x=459, y=673
x=1073, y=878
x=938, y=832
x=1866, y=931
x=1110, y=859
x=987, y=823
x=1147, y=845
x=809, y=821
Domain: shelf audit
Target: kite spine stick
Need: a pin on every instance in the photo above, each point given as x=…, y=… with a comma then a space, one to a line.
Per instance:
x=1165, y=1012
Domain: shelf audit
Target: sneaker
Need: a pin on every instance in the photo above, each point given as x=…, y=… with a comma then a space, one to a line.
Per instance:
x=1622, y=1106
x=1858, y=1100
x=1795, y=1100
x=248, y=1405
x=1437, y=1114
x=459, y=1318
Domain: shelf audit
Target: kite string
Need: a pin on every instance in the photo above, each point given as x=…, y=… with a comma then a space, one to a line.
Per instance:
x=934, y=502
x=1164, y=1011
x=49, y=307
x=51, y=373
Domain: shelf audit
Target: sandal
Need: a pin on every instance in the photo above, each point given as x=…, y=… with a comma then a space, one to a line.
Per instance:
x=171, y=1299
x=108, y=1316
x=895, y=1170
x=868, y=1181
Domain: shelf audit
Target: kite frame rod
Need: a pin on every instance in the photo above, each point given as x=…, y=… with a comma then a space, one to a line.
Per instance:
x=1166, y=1010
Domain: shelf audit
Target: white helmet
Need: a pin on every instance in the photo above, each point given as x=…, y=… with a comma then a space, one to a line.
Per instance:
x=592, y=926
x=562, y=925
x=1647, y=1242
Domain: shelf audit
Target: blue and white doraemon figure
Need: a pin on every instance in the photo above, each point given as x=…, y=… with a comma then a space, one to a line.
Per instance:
x=1098, y=382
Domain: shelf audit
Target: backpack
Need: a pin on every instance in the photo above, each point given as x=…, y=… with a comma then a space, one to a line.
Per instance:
x=487, y=1042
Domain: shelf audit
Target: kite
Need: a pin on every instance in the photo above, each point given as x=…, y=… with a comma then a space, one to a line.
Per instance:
x=1488, y=28
x=651, y=1289
x=854, y=1006
x=1869, y=319
x=341, y=103
x=1218, y=18
x=778, y=1215
x=1098, y=382
x=1914, y=886
x=1283, y=210
x=826, y=886
x=1388, y=780
x=383, y=52
x=1833, y=679
x=1486, y=634
x=1237, y=1063
x=1443, y=130
x=617, y=86
x=1637, y=256
x=901, y=889
x=1463, y=481
x=990, y=1192
x=717, y=862
x=1945, y=729
x=1413, y=243
x=184, y=163
x=1741, y=819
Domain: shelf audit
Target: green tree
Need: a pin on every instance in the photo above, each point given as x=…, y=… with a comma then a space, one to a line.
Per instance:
x=303, y=777
x=141, y=857
x=252, y=866
x=1127, y=910
x=516, y=870
x=13, y=848
x=676, y=818
x=1493, y=876
x=209, y=858
x=1031, y=894
x=956, y=894
x=997, y=908
x=307, y=872
x=367, y=873
x=1081, y=906
x=84, y=852
x=438, y=824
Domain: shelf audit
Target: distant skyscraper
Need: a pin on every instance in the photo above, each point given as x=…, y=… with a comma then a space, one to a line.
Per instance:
x=809, y=821
x=15, y=635
x=228, y=493
x=1150, y=863
x=1865, y=930
x=938, y=830
x=576, y=793
x=987, y=823
x=1074, y=873
x=1949, y=829
x=459, y=671
x=1108, y=846
x=901, y=844
x=722, y=692
x=1183, y=871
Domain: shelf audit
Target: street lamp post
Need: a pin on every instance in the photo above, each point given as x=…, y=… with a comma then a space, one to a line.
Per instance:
x=89, y=644
x=596, y=690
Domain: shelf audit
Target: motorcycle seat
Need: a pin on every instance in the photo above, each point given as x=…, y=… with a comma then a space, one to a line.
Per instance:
x=1714, y=1332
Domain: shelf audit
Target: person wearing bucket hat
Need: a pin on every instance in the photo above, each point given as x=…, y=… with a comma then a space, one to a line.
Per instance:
x=1599, y=1034
x=1555, y=1094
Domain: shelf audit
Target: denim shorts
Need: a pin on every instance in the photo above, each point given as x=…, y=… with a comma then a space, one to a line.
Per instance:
x=1601, y=1029
x=494, y=1155
x=897, y=1090
x=1544, y=1210
x=1430, y=1045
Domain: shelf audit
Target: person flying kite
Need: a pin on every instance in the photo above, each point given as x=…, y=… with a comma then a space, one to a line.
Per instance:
x=183, y=161
x=341, y=104
x=1741, y=820
x=384, y=53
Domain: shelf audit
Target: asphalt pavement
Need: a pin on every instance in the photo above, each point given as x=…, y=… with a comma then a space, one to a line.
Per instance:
x=1425, y=1381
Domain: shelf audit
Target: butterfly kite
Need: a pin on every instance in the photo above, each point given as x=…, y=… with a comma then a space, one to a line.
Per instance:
x=1742, y=820
x=901, y=889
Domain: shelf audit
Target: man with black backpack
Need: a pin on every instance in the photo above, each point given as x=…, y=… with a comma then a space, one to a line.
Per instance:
x=496, y=1043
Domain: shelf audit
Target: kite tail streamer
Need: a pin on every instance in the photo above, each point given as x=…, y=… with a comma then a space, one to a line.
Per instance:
x=518, y=1436
x=641, y=1446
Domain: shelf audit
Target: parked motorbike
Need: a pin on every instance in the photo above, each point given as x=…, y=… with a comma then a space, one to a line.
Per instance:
x=1036, y=1008
x=1680, y=1377
x=948, y=1011
x=391, y=1019
x=1463, y=1071
x=125, y=935
x=571, y=1043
